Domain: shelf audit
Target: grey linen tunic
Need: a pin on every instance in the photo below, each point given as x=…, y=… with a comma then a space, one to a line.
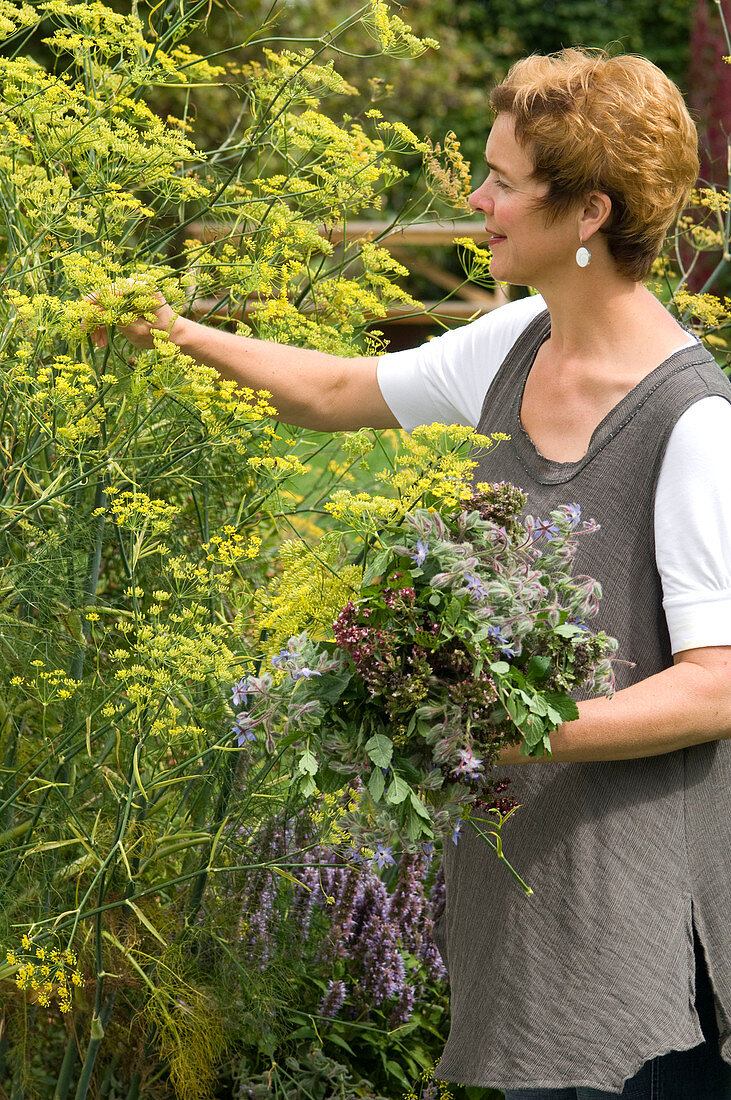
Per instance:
x=593, y=975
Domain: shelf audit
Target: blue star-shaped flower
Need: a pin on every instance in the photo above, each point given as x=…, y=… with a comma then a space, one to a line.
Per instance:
x=419, y=555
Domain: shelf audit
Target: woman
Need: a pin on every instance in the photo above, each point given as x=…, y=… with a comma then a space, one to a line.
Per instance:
x=588, y=988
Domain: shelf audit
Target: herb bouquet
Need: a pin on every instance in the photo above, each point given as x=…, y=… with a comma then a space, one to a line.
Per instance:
x=467, y=631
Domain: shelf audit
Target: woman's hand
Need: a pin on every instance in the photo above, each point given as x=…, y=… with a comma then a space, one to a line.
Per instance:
x=139, y=332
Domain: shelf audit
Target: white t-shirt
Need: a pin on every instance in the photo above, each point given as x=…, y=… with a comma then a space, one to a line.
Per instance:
x=445, y=381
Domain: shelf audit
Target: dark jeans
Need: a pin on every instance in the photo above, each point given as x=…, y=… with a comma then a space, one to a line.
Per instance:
x=697, y=1074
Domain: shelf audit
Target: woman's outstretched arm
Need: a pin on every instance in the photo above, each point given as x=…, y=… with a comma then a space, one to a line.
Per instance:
x=309, y=388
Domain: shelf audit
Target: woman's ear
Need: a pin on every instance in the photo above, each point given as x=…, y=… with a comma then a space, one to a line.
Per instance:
x=596, y=213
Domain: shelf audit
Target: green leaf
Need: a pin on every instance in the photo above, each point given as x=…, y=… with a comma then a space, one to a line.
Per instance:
x=394, y=1069
x=419, y=806
x=567, y=630
x=327, y=688
x=308, y=786
x=413, y=826
x=500, y=668
x=538, y=669
x=397, y=791
x=408, y=772
x=564, y=704
x=307, y=764
x=516, y=710
x=376, y=784
x=377, y=567
x=538, y=705
x=304, y=1032
x=452, y=612
x=380, y=749
x=533, y=729
x=329, y=781
x=332, y=1037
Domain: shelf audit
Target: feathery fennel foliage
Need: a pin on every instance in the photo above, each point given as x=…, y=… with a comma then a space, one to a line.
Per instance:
x=141, y=502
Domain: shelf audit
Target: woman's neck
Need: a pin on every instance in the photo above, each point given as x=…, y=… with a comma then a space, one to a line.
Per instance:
x=600, y=318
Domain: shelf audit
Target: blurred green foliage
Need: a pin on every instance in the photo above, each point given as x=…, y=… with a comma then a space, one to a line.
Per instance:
x=629, y=26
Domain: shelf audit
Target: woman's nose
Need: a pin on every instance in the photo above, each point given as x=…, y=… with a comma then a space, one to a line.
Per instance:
x=479, y=199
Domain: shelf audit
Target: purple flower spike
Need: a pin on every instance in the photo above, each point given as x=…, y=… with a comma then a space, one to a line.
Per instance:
x=333, y=1000
x=239, y=692
x=419, y=555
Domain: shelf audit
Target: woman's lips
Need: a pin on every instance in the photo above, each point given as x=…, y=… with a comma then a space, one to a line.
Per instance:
x=495, y=240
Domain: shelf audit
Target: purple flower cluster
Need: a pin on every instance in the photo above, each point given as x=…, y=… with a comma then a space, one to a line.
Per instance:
x=373, y=946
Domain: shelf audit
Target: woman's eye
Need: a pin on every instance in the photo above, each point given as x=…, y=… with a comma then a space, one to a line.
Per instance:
x=502, y=186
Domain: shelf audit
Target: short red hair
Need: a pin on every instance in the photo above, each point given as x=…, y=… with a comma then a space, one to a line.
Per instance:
x=614, y=124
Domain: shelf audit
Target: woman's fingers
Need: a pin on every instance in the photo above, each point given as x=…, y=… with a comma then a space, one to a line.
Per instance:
x=98, y=335
x=138, y=331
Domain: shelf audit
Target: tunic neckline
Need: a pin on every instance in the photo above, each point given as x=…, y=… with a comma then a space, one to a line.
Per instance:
x=548, y=471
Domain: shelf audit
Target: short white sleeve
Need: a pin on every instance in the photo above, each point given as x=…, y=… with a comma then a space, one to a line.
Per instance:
x=445, y=380
x=693, y=527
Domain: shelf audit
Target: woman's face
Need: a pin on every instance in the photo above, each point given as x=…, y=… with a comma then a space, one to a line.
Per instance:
x=524, y=249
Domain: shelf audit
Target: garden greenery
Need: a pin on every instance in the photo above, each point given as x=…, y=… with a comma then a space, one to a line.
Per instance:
x=142, y=505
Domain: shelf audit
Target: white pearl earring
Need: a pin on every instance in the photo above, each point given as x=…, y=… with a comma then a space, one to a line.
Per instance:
x=583, y=256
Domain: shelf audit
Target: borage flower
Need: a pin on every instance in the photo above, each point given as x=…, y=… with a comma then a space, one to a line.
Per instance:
x=239, y=692
x=545, y=529
x=383, y=855
x=243, y=728
x=306, y=673
x=283, y=655
x=469, y=765
x=419, y=555
x=474, y=586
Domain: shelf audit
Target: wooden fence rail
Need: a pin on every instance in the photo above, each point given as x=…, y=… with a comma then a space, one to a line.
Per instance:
x=467, y=301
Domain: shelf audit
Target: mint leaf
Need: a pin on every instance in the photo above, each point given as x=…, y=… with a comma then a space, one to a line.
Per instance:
x=533, y=730
x=538, y=669
x=380, y=749
x=568, y=630
x=376, y=784
x=538, y=705
x=398, y=791
x=307, y=764
x=515, y=709
x=377, y=567
x=563, y=704
x=419, y=806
